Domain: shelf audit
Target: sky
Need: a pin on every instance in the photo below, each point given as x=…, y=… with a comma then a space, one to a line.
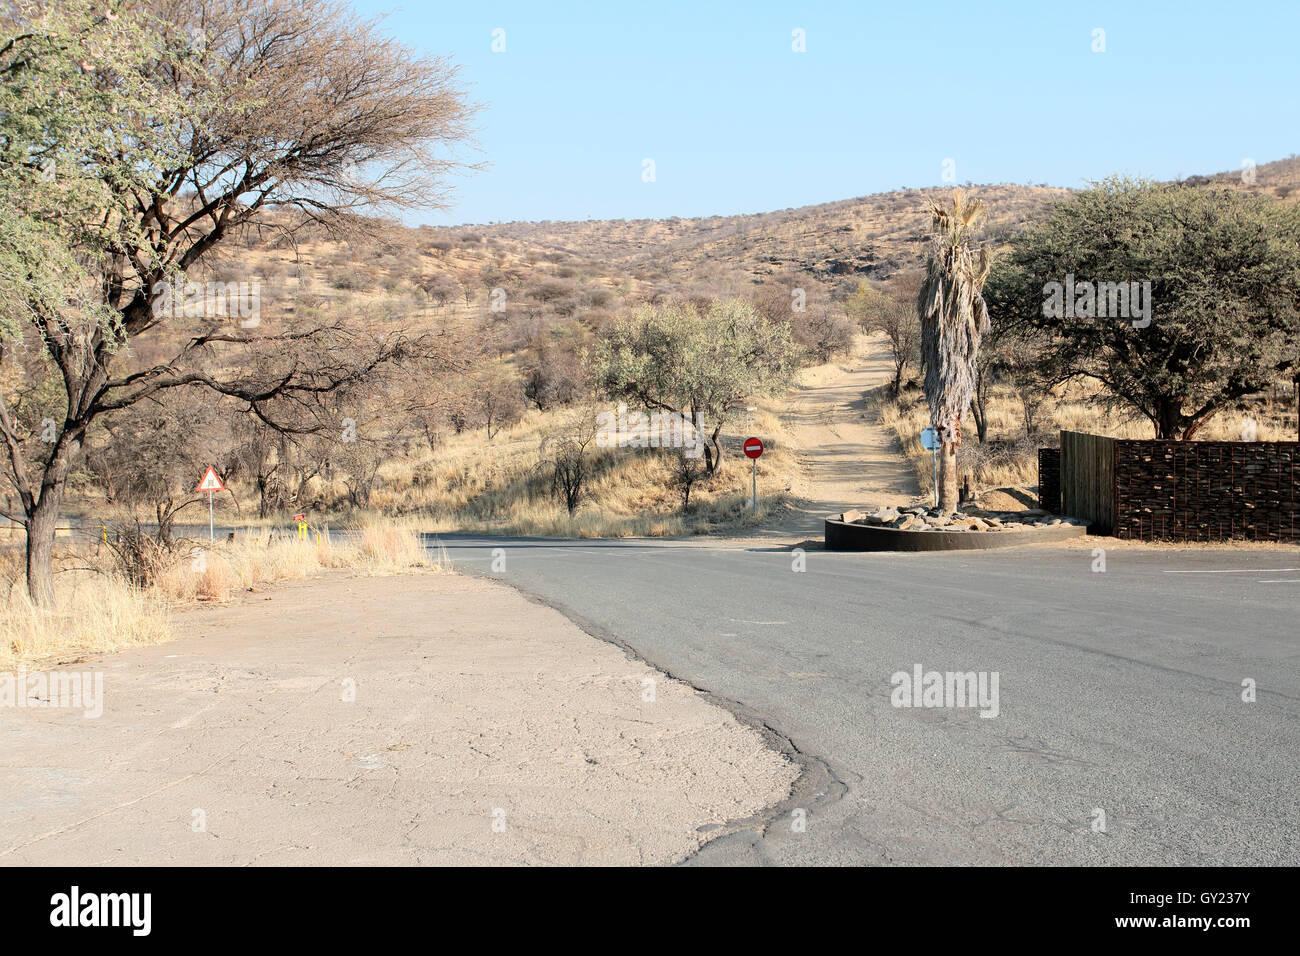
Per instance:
x=736, y=119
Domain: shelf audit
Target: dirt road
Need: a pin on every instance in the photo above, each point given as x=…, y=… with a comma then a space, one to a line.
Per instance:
x=847, y=458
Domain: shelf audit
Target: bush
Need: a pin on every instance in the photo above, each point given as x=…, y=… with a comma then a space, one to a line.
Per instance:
x=823, y=334
x=554, y=379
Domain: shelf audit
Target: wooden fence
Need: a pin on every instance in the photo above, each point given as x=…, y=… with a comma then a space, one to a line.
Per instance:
x=1088, y=479
x=1176, y=491
x=1049, y=480
x=1208, y=490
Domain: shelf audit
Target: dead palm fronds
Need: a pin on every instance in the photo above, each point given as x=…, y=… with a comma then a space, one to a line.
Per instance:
x=953, y=320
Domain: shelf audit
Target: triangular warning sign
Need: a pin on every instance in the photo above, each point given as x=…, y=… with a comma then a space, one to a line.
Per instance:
x=210, y=481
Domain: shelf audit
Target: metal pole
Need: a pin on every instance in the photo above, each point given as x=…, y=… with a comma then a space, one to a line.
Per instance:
x=755, y=461
x=934, y=456
x=212, y=537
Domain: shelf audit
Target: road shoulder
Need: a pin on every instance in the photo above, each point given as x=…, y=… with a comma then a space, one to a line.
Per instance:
x=420, y=719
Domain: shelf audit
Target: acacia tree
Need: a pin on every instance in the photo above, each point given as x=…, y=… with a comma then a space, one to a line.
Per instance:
x=1223, y=269
x=565, y=458
x=697, y=365
x=953, y=320
x=135, y=141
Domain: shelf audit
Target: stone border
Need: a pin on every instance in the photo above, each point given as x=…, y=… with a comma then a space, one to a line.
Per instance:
x=843, y=536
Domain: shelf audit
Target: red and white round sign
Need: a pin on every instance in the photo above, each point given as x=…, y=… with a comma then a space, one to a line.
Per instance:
x=753, y=447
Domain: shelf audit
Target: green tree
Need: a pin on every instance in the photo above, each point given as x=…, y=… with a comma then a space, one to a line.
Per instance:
x=677, y=359
x=1211, y=280
x=72, y=82
x=135, y=140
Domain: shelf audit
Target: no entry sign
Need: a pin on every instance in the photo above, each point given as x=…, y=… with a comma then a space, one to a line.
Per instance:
x=753, y=448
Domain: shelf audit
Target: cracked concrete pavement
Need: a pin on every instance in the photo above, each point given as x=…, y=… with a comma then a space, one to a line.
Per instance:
x=485, y=729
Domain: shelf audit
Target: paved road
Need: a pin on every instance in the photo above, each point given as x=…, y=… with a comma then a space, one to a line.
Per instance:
x=1118, y=691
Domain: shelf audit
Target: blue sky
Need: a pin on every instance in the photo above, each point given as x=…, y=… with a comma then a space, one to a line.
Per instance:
x=736, y=121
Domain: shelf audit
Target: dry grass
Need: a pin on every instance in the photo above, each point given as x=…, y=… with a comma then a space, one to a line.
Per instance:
x=95, y=614
x=213, y=573
x=1009, y=458
x=98, y=612
x=497, y=487
x=471, y=484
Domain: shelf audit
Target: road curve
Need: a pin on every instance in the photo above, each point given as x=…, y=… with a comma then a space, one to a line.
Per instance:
x=1121, y=734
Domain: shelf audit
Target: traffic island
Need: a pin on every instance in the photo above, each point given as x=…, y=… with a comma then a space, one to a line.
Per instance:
x=924, y=529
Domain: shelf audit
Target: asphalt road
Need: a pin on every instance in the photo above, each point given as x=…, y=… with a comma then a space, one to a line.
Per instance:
x=1119, y=692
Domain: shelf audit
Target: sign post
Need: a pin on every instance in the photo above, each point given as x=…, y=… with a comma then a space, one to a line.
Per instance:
x=930, y=442
x=753, y=449
x=211, y=483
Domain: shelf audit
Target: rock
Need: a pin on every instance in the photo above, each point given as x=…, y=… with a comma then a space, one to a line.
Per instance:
x=885, y=515
x=851, y=517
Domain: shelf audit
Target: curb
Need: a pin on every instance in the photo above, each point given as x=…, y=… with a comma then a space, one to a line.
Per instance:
x=842, y=536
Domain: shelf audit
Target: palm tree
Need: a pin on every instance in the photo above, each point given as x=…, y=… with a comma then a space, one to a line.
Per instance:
x=953, y=320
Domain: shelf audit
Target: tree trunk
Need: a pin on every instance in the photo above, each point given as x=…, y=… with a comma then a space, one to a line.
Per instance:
x=40, y=548
x=981, y=419
x=948, y=498
x=979, y=406
x=715, y=464
x=1168, y=420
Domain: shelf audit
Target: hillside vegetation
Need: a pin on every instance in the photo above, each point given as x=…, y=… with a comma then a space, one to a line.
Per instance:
x=520, y=305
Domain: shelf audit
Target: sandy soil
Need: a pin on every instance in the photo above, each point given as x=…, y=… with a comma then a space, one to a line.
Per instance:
x=847, y=458
x=485, y=729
